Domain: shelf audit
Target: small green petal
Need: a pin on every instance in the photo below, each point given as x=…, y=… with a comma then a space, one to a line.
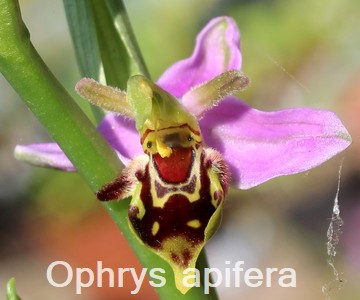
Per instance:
x=210, y=93
x=106, y=97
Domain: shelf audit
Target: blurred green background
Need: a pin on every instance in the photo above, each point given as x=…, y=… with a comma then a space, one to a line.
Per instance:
x=297, y=53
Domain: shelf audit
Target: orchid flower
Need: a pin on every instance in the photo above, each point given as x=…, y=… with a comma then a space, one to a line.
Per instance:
x=257, y=145
x=192, y=106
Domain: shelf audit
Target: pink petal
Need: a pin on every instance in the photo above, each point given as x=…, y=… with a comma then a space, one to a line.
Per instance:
x=44, y=155
x=217, y=50
x=118, y=131
x=122, y=136
x=261, y=145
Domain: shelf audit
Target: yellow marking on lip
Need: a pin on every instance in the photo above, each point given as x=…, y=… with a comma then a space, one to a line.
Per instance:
x=163, y=150
x=155, y=228
x=194, y=223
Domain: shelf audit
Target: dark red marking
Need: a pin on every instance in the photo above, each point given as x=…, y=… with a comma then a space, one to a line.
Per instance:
x=190, y=188
x=147, y=131
x=115, y=189
x=223, y=171
x=174, y=216
x=175, y=258
x=145, y=134
x=184, y=259
x=218, y=196
x=161, y=190
x=177, y=167
x=186, y=254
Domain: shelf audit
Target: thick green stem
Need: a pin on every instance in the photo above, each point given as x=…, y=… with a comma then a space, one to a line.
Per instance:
x=70, y=128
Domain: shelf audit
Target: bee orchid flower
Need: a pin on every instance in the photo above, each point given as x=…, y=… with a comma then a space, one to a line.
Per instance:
x=181, y=138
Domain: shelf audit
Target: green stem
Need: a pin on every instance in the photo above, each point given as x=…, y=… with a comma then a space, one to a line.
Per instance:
x=70, y=128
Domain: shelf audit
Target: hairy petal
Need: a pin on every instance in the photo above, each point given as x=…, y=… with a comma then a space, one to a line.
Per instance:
x=217, y=50
x=210, y=93
x=122, y=136
x=44, y=155
x=106, y=97
x=261, y=145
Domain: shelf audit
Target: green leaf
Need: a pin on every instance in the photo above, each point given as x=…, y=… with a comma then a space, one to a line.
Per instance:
x=83, y=33
x=124, y=29
x=104, y=41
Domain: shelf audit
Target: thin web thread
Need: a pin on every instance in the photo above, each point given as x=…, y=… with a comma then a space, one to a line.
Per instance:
x=292, y=77
x=333, y=237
